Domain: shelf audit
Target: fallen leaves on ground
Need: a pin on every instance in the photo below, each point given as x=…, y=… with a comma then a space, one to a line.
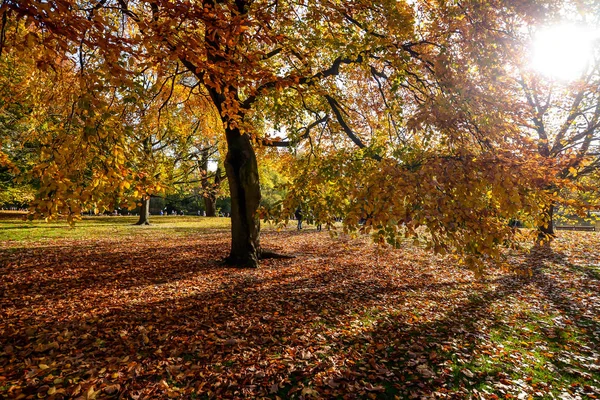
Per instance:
x=162, y=318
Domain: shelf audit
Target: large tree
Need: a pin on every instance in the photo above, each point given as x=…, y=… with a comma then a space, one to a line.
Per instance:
x=431, y=62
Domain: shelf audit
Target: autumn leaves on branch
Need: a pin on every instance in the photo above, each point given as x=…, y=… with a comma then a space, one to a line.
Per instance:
x=402, y=116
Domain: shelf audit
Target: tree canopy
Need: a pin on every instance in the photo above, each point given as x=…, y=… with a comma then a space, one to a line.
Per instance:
x=402, y=115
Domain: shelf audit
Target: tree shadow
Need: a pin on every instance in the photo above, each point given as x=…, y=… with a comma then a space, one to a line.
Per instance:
x=327, y=321
x=547, y=265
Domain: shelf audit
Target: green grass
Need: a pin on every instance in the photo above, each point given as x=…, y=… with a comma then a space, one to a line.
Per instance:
x=13, y=228
x=536, y=352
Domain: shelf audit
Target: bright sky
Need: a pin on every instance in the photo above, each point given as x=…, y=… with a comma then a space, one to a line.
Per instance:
x=563, y=52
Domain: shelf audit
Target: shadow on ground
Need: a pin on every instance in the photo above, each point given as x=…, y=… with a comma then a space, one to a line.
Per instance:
x=166, y=319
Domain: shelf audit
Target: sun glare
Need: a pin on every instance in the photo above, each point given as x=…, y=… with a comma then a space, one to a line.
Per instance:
x=563, y=52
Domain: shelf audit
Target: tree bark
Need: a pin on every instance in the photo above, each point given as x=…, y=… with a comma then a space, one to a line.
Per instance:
x=210, y=197
x=242, y=173
x=240, y=162
x=144, y=212
x=210, y=205
x=546, y=229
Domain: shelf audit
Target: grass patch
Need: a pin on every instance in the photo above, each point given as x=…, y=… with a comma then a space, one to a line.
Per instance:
x=534, y=354
x=93, y=228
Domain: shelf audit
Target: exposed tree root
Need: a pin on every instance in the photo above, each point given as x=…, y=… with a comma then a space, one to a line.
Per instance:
x=270, y=254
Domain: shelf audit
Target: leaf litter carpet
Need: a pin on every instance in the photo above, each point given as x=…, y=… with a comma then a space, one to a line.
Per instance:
x=162, y=318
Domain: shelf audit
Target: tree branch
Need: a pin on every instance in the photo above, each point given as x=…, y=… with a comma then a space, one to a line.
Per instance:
x=288, y=143
x=335, y=107
x=333, y=70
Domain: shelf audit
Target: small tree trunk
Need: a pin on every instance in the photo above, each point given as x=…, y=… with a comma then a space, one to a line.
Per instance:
x=546, y=230
x=242, y=172
x=210, y=205
x=210, y=200
x=144, y=212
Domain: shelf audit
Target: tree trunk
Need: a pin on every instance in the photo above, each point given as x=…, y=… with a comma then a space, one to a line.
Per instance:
x=546, y=230
x=144, y=212
x=210, y=205
x=210, y=196
x=242, y=173
x=241, y=169
x=210, y=200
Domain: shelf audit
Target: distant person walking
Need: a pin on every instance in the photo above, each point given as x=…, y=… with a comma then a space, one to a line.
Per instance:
x=298, y=215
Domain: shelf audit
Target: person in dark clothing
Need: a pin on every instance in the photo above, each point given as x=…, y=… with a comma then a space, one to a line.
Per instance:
x=298, y=215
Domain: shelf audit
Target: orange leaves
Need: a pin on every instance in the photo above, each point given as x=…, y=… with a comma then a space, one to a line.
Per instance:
x=155, y=316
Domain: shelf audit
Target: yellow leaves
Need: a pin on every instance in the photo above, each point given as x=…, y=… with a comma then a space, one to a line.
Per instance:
x=464, y=207
x=31, y=39
x=91, y=394
x=6, y=162
x=125, y=185
x=573, y=171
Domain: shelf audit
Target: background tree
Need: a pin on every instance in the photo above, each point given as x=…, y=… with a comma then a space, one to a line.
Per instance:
x=16, y=107
x=204, y=166
x=166, y=116
x=564, y=120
